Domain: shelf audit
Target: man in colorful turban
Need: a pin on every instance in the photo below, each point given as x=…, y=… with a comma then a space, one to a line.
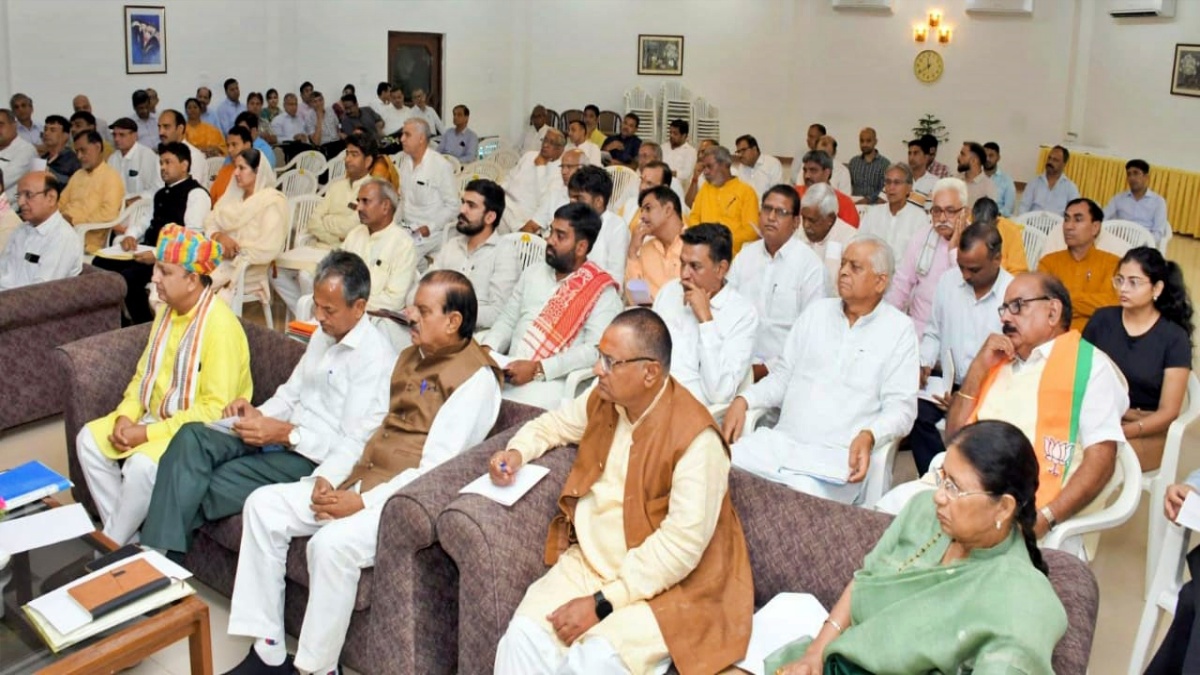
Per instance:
x=195, y=364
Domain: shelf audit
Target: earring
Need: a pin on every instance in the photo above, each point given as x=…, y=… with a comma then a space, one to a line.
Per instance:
x=1156, y=298
x=997, y=524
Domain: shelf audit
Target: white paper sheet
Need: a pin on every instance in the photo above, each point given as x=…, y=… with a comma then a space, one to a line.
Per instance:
x=528, y=476
x=1189, y=513
x=639, y=292
x=500, y=359
x=43, y=529
x=67, y=615
x=224, y=425
x=787, y=617
x=117, y=253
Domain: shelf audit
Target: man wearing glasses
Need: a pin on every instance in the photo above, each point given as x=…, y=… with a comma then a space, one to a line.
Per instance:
x=1031, y=375
x=930, y=253
x=45, y=246
x=649, y=559
x=757, y=170
x=1083, y=268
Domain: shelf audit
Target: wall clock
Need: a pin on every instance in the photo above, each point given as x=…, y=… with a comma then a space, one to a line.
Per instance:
x=928, y=66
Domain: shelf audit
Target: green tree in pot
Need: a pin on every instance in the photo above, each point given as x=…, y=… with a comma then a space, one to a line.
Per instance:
x=932, y=126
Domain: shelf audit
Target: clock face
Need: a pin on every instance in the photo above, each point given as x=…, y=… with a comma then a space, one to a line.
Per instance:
x=928, y=66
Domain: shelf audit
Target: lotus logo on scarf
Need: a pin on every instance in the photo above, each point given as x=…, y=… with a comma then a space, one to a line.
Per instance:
x=1058, y=452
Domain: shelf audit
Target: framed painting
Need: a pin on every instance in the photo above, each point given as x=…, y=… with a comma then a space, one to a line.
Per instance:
x=145, y=39
x=660, y=55
x=1185, y=77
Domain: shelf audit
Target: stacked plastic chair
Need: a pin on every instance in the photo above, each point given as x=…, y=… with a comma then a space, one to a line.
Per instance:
x=706, y=121
x=675, y=103
x=640, y=103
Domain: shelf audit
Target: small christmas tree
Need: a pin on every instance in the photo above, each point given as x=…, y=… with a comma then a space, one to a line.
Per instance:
x=932, y=126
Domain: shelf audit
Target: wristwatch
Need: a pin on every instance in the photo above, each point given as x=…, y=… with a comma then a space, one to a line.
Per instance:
x=539, y=374
x=1049, y=516
x=603, y=606
x=294, y=437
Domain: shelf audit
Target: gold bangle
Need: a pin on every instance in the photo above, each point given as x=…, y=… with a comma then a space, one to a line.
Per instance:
x=966, y=396
x=835, y=624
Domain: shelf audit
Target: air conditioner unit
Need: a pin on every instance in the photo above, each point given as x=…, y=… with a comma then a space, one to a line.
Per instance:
x=867, y=5
x=1126, y=9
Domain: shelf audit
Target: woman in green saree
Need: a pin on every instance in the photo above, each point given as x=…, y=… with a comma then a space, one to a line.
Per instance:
x=957, y=583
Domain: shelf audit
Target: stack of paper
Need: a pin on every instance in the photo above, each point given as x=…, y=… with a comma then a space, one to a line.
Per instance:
x=115, y=252
x=28, y=483
x=787, y=617
x=62, y=621
x=18, y=535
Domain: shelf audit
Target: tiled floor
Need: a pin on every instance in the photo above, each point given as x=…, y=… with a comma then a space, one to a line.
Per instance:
x=1119, y=566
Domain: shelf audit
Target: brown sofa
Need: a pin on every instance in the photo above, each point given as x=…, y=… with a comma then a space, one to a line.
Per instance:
x=413, y=579
x=36, y=319
x=797, y=543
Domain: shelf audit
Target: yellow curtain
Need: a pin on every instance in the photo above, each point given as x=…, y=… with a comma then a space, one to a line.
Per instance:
x=1099, y=178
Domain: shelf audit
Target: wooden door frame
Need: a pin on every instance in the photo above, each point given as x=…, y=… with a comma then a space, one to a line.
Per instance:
x=436, y=43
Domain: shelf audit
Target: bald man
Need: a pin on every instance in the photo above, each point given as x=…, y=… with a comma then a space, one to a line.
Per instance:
x=867, y=169
x=45, y=246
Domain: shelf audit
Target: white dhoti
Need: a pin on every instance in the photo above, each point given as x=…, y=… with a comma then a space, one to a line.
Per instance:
x=776, y=456
x=628, y=640
x=120, y=488
x=548, y=395
x=337, y=553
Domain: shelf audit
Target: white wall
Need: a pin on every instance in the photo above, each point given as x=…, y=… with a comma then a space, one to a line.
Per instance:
x=772, y=66
x=1130, y=111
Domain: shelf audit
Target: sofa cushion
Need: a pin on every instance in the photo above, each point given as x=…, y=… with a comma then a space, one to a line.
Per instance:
x=228, y=533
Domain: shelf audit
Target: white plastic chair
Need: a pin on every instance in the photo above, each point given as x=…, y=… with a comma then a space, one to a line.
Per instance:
x=625, y=186
x=1167, y=579
x=336, y=168
x=297, y=183
x=309, y=161
x=1042, y=220
x=1132, y=232
x=1107, y=241
x=455, y=164
x=484, y=169
x=1162, y=245
x=1129, y=476
x=1034, y=240
x=1156, y=482
x=879, y=473
x=214, y=166
x=253, y=284
x=300, y=209
x=82, y=229
x=487, y=147
x=505, y=158
x=527, y=248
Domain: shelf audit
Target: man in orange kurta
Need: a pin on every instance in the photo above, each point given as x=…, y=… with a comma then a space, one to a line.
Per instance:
x=1085, y=270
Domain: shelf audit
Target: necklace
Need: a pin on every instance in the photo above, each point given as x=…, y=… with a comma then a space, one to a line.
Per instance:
x=922, y=551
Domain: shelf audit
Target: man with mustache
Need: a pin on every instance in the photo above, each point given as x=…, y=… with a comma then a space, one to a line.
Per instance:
x=1083, y=268
x=557, y=312
x=1030, y=375
x=1052, y=190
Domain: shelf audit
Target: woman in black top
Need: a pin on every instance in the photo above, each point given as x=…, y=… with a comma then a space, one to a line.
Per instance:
x=1149, y=338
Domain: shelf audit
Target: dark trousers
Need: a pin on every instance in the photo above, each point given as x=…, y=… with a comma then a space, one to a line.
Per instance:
x=1180, y=650
x=925, y=439
x=137, y=299
x=207, y=475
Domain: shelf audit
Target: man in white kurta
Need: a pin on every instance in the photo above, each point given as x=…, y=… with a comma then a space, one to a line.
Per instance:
x=678, y=153
x=896, y=220
x=428, y=187
x=477, y=251
x=17, y=155
x=531, y=182
x=137, y=164
x=755, y=169
x=531, y=140
x=343, y=523
x=44, y=246
x=712, y=325
x=778, y=274
x=537, y=368
x=825, y=233
x=593, y=186
x=577, y=139
x=847, y=383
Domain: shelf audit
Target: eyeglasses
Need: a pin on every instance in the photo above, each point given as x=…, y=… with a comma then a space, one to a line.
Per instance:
x=1134, y=283
x=607, y=364
x=952, y=489
x=777, y=212
x=938, y=212
x=898, y=181
x=27, y=195
x=1017, y=305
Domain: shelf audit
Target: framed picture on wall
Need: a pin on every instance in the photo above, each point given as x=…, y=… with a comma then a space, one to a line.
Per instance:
x=660, y=55
x=145, y=39
x=1185, y=78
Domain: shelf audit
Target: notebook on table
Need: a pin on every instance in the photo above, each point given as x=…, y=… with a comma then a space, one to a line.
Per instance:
x=118, y=587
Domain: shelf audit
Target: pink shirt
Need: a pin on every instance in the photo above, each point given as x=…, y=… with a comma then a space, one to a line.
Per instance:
x=912, y=291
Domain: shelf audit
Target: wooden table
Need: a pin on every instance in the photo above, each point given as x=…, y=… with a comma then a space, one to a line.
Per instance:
x=142, y=637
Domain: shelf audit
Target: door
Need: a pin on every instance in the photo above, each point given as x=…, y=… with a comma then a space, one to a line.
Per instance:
x=415, y=62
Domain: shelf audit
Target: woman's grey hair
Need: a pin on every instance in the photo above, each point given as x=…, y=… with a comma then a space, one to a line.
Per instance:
x=421, y=125
x=954, y=184
x=720, y=153
x=903, y=168
x=355, y=276
x=822, y=196
x=386, y=190
x=882, y=259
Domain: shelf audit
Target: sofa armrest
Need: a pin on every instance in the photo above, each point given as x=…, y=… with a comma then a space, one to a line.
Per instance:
x=499, y=553
x=79, y=294
x=1076, y=587
x=97, y=370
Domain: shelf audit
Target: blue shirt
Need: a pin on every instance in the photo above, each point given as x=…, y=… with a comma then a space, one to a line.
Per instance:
x=1006, y=192
x=1039, y=197
x=210, y=117
x=464, y=146
x=227, y=114
x=266, y=149
x=1150, y=211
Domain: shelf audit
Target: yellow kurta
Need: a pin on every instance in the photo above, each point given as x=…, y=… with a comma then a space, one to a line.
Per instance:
x=94, y=196
x=1089, y=281
x=1012, y=247
x=656, y=264
x=224, y=376
x=204, y=136
x=601, y=560
x=597, y=137
x=734, y=205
